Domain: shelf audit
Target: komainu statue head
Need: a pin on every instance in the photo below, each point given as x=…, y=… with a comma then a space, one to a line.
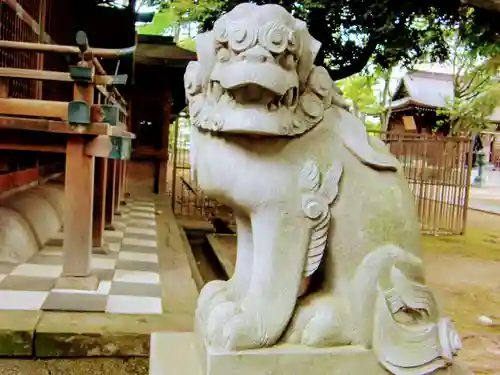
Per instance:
x=255, y=74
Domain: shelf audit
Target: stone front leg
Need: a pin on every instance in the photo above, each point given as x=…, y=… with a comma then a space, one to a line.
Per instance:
x=219, y=291
x=258, y=317
x=244, y=259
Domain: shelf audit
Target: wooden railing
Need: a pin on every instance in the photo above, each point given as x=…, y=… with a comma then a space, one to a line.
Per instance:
x=91, y=131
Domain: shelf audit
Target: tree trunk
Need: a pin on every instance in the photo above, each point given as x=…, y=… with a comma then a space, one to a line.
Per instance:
x=385, y=100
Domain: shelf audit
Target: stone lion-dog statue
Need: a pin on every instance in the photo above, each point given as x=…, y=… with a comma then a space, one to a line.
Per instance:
x=328, y=240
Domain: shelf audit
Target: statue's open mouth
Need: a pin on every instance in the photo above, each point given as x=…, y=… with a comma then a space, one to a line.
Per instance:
x=253, y=95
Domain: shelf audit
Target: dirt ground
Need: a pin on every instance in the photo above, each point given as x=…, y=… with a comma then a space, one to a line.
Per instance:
x=465, y=275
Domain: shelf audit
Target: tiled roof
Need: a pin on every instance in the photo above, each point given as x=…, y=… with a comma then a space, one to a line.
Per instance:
x=428, y=89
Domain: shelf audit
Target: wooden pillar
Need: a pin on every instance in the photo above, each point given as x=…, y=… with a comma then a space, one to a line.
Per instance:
x=124, y=176
x=4, y=87
x=110, y=195
x=118, y=185
x=164, y=145
x=101, y=176
x=79, y=192
x=42, y=12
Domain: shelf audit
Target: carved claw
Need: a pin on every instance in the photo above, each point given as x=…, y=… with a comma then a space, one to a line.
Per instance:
x=318, y=322
x=231, y=328
x=212, y=294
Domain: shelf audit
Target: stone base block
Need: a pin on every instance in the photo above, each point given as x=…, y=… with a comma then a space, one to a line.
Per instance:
x=102, y=250
x=89, y=283
x=182, y=354
x=109, y=227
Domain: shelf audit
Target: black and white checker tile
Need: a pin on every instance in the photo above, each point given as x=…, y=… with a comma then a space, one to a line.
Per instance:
x=129, y=276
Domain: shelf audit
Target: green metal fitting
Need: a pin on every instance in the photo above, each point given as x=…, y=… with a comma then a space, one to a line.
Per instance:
x=78, y=112
x=81, y=73
x=121, y=148
x=111, y=114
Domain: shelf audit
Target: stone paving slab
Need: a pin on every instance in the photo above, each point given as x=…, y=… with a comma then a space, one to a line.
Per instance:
x=74, y=366
x=488, y=208
x=17, y=330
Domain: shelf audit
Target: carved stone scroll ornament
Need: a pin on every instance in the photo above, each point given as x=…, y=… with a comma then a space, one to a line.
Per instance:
x=272, y=138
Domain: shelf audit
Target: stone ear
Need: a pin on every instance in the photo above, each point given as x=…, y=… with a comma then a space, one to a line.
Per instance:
x=205, y=51
x=353, y=134
x=310, y=49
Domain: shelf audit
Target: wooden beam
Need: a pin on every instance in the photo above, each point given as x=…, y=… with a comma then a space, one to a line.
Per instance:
x=27, y=147
x=79, y=194
x=33, y=108
x=45, y=75
x=100, y=147
x=61, y=127
x=55, y=48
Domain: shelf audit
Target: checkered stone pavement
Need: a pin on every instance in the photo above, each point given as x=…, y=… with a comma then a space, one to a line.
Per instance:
x=129, y=278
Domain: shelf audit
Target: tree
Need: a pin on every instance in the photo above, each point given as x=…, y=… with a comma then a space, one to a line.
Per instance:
x=476, y=91
x=168, y=21
x=353, y=32
x=358, y=88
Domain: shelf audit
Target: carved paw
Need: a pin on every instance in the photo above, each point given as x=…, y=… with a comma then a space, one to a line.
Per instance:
x=212, y=294
x=318, y=321
x=230, y=327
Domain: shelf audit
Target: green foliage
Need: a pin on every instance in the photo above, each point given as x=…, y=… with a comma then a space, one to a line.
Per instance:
x=161, y=22
x=188, y=43
x=359, y=89
x=353, y=32
x=476, y=91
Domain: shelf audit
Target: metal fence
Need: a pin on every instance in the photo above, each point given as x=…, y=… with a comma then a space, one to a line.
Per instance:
x=188, y=200
x=437, y=169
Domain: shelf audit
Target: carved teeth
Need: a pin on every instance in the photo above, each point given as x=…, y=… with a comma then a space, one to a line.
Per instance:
x=290, y=98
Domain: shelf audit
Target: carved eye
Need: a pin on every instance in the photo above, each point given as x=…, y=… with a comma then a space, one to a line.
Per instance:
x=273, y=36
x=241, y=36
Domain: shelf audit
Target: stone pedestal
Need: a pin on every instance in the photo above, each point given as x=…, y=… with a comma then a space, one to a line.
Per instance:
x=183, y=354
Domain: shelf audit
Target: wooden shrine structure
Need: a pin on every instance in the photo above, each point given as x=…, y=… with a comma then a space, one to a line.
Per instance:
x=157, y=98
x=60, y=110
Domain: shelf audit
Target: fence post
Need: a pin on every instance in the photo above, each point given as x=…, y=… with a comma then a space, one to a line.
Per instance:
x=174, y=162
x=467, y=184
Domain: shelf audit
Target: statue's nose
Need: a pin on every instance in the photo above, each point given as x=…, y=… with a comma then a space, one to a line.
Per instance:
x=256, y=54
